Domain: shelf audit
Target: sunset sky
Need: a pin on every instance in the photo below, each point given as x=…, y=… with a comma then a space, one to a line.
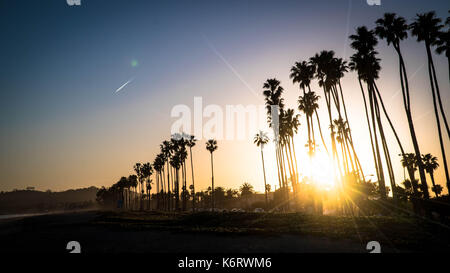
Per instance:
x=65, y=126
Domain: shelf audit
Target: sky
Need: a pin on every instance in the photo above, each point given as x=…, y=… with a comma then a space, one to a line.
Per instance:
x=87, y=91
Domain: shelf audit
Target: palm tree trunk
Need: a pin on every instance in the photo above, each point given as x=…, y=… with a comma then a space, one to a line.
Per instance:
x=320, y=131
x=193, y=185
x=169, y=198
x=296, y=166
x=265, y=183
x=370, y=129
x=285, y=181
x=432, y=181
x=386, y=150
x=212, y=182
x=406, y=102
x=381, y=183
x=438, y=94
x=293, y=174
x=438, y=123
x=350, y=133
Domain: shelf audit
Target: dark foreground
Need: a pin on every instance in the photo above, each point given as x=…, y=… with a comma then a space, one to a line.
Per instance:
x=114, y=232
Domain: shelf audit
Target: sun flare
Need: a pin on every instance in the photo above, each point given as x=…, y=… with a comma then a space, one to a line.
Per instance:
x=320, y=169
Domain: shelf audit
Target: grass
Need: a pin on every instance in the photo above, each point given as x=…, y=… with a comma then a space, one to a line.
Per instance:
x=403, y=233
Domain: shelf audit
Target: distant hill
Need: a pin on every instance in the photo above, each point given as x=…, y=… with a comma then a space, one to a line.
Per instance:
x=26, y=201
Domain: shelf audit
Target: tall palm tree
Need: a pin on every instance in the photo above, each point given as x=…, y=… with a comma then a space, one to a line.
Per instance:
x=122, y=184
x=274, y=102
x=147, y=171
x=158, y=165
x=322, y=62
x=211, y=146
x=443, y=44
x=426, y=28
x=431, y=164
x=166, y=150
x=191, y=143
x=393, y=29
x=260, y=140
x=303, y=73
x=137, y=170
x=289, y=127
x=366, y=63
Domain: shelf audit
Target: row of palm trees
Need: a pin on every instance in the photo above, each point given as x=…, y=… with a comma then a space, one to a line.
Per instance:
x=328, y=70
x=171, y=172
x=169, y=166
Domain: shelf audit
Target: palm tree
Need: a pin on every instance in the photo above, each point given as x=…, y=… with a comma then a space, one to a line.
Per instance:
x=122, y=184
x=246, y=191
x=443, y=44
x=426, y=28
x=431, y=164
x=147, y=171
x=289, y=127
x=409, y=161
x=166, y=150
x=308, y=104
x=394, y=29
x=302, y=73
x=437, y=189
x=274, y=102
x=260, y=140
x=191, y=143
x=211, y=146
x=366, y=63
x=137, y=170
x=322, y=62
x=158, y=165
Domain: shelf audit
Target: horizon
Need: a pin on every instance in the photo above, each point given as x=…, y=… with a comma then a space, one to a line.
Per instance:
x=88, y=90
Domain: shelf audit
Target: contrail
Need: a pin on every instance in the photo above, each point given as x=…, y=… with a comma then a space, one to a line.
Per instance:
x=410, y=80
x=125, y=84
x=211, y=46
x=349, y=10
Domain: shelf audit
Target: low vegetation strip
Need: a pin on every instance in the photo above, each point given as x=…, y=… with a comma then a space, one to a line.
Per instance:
x=400, y=233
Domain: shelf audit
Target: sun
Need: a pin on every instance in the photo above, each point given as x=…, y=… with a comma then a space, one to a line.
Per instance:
x=320, y=169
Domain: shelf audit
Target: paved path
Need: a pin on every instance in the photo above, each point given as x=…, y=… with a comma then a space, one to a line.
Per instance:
x=50, y=233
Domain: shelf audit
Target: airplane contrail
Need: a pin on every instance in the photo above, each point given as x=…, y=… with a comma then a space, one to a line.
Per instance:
x=230, y=67
x=125, y=84
x=410, y=80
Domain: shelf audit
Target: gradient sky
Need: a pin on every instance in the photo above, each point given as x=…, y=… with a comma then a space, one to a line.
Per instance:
x=64, y=126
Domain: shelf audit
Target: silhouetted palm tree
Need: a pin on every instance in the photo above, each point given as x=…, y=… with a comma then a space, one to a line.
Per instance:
x=365, y=62
x=431, y=164
x=302, y=73
x=321, y=62
x=137, y=170
x=274, y=102
x=191, y=143
x=211, y=146
x=166, y=150
x=122, y=184
x=158, y=165
x=260, y=140
x=443, y=44
x=246, y=191
x=394, y=29
x=409, y=161
x=147, y=171
x=426, y=28
x=288, y=128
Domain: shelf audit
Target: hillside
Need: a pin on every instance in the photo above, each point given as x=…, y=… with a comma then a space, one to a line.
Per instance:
x=26, y=201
